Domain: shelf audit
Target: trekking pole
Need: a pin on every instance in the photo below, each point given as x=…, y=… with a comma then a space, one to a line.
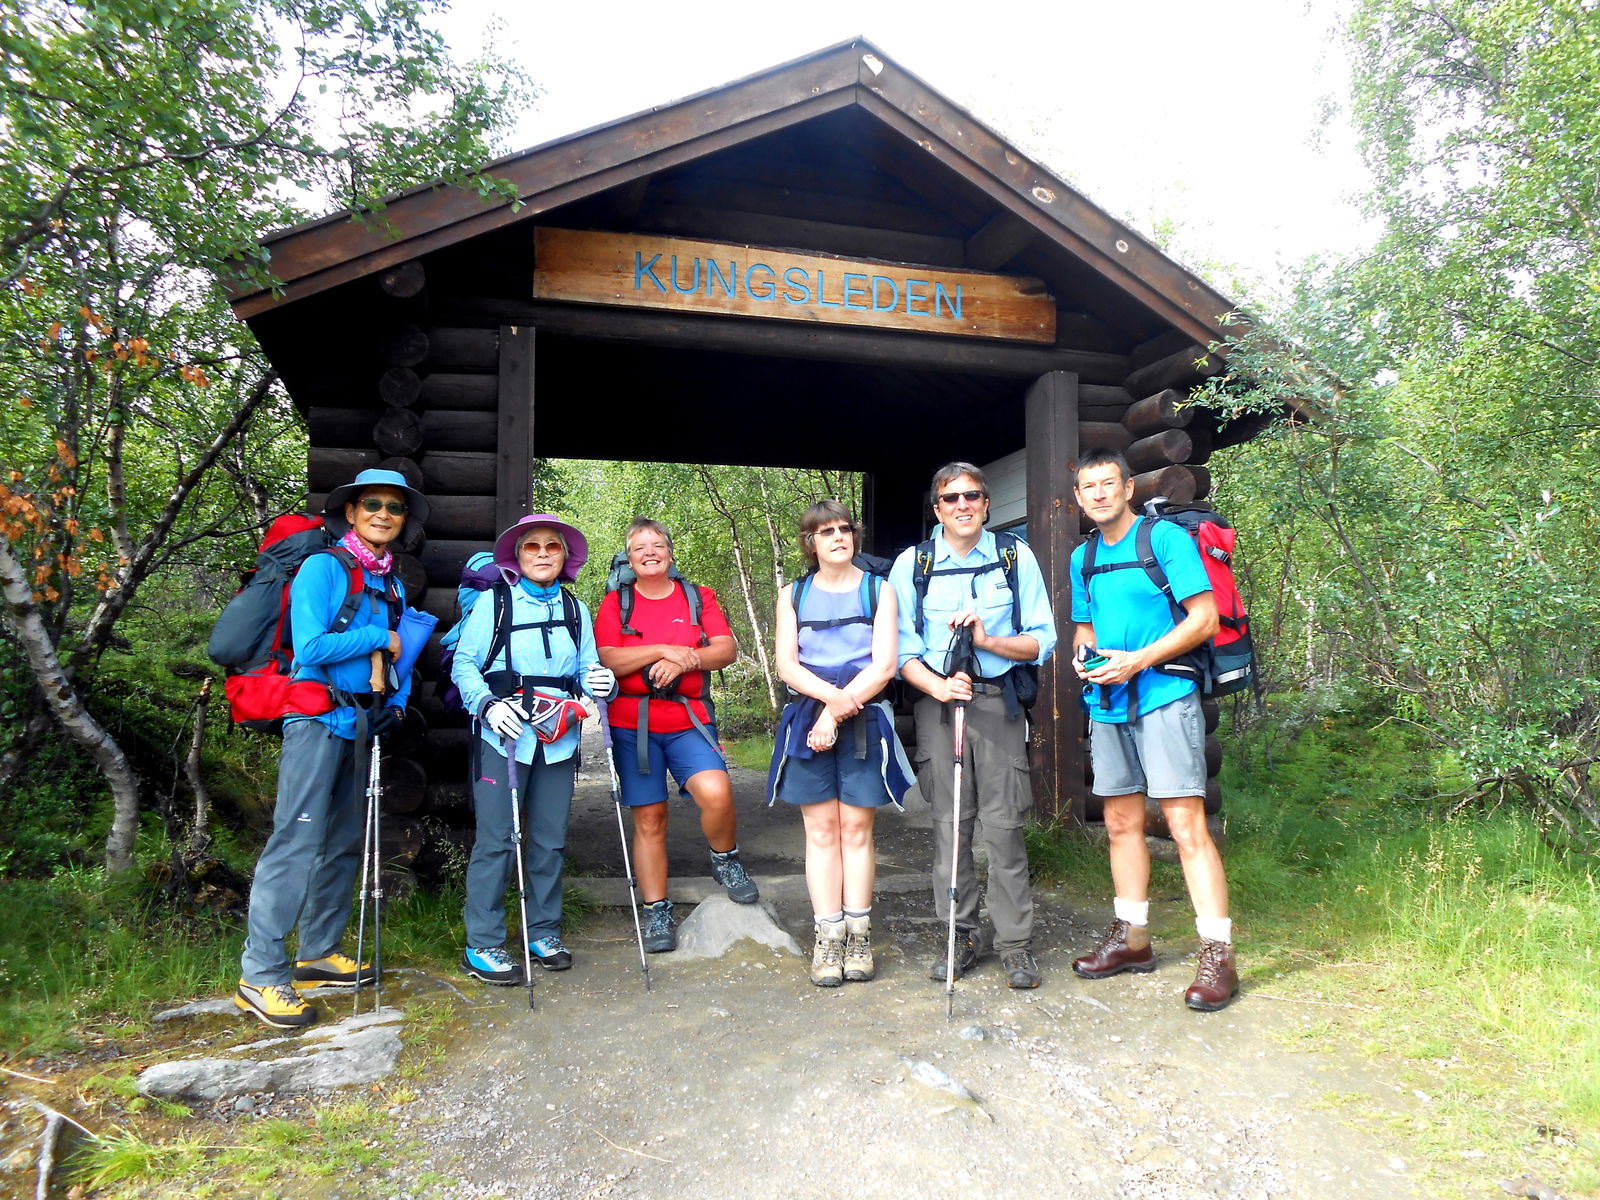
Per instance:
x=372, y=855
x=622, y=834
x=960, y=659
x=509, y=745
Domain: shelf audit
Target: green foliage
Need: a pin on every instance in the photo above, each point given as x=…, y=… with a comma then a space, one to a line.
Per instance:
x=1425, y=534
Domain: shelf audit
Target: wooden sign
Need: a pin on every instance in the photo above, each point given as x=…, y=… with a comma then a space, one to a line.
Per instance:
x=751, y=281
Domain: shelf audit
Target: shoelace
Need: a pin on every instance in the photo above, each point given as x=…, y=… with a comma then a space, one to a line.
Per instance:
x=732, y=872
x=1020, y=961
x=547, y=946
x=832, y=951
x=1118, y=936
x=282, y=996
x=859, y=946
x=660, y=922
x=1212, y=957
x=496, y=956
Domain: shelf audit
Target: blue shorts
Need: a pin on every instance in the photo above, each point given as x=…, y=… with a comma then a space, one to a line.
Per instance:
x=685, y=754
x=835, y=774
x=1161, y=754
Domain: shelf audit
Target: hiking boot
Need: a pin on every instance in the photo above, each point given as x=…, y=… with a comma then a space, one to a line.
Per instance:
x=491, y=964
x=858, y=964
x=730, y=873
x=968, y=952
x=1216, y=979
x=1113, y=955
x=1021, y=968
x=280, y=1007
x=550, y=954
x=827, y=956
x=335, y=971
x=659, y=934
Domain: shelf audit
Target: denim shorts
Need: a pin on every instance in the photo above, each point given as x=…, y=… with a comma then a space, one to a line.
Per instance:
x=1160, y=755
x=836, y=774
x=685, y=754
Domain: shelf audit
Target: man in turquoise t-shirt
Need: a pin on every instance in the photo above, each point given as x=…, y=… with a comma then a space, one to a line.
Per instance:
x=1146, y=734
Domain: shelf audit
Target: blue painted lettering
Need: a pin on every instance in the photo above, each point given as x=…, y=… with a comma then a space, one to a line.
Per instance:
x=916, y=293
x=940, y=296
x=793, y=285
x=766, y=285
x=642, y=269
x=729, y=282
x=694, y=284
x=823, y=301
x=855, y=291
x=877, y=294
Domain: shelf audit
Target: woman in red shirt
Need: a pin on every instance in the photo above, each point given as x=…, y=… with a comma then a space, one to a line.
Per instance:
x=662, y=720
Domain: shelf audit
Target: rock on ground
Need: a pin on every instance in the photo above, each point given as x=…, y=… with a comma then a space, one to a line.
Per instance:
x=711, y=930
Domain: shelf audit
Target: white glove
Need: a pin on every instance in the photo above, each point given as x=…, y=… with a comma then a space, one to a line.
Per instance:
x=600, y=682
x=505, y=717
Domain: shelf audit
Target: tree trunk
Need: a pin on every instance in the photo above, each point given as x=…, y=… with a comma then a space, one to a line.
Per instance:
x=746, y=584
x=22, y=613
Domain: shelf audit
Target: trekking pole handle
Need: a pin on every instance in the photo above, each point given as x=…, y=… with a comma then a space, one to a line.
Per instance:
x=379, y=675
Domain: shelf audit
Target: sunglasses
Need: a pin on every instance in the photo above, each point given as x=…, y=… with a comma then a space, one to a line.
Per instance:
x=547, y=547
x=397, y=508
x=832, y=531
x=971, y=497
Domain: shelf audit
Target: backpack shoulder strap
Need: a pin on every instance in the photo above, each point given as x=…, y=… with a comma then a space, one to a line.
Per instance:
x=358, y=586
x=570, y=617
x=1005, y=545
x=797, y=590
x=625, y=609
x=691, y=593
x=921, y=572
x=500, y=641
x=1144, y=547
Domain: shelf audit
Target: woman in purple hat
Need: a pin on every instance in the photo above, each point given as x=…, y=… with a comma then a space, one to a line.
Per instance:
x=526, y=668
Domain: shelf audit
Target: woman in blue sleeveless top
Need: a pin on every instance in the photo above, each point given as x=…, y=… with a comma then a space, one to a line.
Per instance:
x=836, y=755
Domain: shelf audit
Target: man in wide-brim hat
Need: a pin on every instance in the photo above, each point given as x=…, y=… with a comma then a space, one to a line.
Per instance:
x=345, y=604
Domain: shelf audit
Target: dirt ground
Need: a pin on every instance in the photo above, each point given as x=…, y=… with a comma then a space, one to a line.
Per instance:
x=736, y=1076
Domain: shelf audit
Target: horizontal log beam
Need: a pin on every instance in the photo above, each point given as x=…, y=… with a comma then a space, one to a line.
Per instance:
x=1164, y=449
x=1102, y=435
x=1177, y=484
x=353, y=428
x=1181, y=370
x=1164, y=410
x=788, y=339
x=448, y=389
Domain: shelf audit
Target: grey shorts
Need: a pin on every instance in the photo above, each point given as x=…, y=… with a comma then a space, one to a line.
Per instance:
x=1160, y=755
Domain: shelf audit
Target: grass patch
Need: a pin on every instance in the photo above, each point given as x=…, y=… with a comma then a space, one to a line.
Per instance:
x=753, y=753
x=1471, y=948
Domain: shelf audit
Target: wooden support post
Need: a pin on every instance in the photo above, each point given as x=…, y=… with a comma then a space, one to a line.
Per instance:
x=1059, y=743
x=514, y=448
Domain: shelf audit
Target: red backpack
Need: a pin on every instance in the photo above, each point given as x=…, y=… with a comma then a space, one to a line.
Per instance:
x=1225, y=664
x=252, y=639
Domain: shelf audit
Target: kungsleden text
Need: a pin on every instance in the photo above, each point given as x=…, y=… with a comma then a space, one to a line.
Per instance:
x=796, y=285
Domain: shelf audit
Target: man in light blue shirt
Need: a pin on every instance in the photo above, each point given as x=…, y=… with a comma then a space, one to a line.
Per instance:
x=966, y=583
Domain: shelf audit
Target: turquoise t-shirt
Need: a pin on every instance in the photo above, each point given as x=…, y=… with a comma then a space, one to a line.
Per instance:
x=1129, y=612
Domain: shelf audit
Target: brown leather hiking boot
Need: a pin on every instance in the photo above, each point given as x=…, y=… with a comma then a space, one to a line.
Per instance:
x=1113, y=955
x=1216, y=980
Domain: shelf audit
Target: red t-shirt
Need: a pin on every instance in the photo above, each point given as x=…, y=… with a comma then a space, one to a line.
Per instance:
x=662, y=622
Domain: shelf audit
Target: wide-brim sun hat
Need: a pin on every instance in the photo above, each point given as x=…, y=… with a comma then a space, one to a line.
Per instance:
x=505, y=547
x=333, y=510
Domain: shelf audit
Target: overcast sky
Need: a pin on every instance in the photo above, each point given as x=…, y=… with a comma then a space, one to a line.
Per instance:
x=1205, y=115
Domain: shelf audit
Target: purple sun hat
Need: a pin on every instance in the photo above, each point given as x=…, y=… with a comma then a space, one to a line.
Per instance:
x=505, y=547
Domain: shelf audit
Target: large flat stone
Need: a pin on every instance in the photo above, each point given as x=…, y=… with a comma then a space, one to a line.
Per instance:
x=356, y=1050
x=711, y=930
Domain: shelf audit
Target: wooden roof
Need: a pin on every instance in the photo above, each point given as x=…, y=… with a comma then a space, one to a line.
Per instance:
x=842, y=150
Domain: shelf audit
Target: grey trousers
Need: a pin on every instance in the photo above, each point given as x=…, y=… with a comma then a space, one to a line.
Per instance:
x=544, y=790
x=307, y=872
x=995, y=791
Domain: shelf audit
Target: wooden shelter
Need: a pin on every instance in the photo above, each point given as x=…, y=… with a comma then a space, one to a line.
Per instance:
x=694, y=283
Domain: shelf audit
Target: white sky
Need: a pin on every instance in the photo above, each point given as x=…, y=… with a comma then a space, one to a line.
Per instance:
x=1203, y=115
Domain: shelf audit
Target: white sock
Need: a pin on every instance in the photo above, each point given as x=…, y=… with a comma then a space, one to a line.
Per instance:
x=1134, y=912
x=1215, y=929
x=858, y=913
x=830, y=919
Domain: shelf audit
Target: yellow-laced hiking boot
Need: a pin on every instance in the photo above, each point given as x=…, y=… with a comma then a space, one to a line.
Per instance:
x=280, y=1007
x=335, y=971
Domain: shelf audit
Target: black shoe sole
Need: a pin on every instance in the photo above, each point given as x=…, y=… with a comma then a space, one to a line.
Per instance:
x=551, y=965
x=492, y=980
x=1137, y=968
x=1202, y=1006
x=338, y=985
x=649, y=949
x=1032, y=983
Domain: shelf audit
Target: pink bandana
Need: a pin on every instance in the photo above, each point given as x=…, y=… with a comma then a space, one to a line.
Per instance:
x=368, y=560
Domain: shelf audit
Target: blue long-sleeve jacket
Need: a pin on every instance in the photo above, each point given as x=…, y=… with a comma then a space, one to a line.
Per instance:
x=341, y=660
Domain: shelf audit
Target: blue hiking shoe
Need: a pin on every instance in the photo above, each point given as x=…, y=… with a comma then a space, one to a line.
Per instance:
x=491, y=964
x=550, y=954
x=659, y=934
x=730, y=873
